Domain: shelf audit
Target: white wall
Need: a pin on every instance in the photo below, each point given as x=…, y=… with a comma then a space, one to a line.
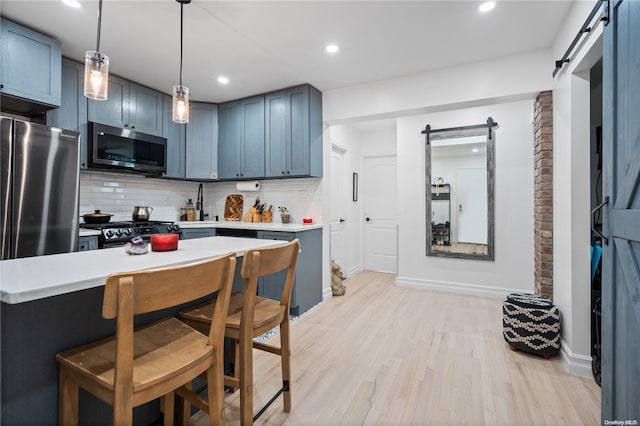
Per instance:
x=509, y=78
x=512, y=269
x=381, y=142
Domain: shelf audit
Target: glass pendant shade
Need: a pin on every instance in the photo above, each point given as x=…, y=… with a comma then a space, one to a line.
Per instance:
x=96, y=75
x=180, y=104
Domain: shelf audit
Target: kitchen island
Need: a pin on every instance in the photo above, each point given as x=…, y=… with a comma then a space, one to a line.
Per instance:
x=52, y=303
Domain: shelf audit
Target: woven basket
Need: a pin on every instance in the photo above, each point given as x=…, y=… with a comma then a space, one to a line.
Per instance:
x=531, y=324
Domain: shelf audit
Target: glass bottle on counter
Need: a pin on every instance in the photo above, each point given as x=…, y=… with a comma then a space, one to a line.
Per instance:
x=191, y=210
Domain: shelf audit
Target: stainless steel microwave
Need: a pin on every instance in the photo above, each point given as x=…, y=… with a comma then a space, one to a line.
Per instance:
x=128, y=150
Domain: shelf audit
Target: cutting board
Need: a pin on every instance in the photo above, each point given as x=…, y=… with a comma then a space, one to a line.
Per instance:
x=233, y=207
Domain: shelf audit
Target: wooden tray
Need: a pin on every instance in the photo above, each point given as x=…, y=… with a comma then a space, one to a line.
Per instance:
x=233, y=207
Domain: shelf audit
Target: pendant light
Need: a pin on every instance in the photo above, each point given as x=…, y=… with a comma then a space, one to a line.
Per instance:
x=96, y=69
x=180, y=92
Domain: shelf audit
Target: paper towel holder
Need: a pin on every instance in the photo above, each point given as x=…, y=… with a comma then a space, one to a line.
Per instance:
x=247, y=186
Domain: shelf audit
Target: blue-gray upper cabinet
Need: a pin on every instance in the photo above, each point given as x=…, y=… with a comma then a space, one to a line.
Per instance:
x=241, y=139
x=72, y=114
x=129, y=106
x=145, y=110
x=176, y=136
x=115, y=110
x=202, y=141
x=30, y=69
x=293, y=132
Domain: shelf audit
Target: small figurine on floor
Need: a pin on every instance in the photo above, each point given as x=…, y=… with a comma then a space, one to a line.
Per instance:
x=337, y=287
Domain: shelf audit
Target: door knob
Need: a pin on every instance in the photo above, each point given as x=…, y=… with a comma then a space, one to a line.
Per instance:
x=341, y=220
x=368, y=219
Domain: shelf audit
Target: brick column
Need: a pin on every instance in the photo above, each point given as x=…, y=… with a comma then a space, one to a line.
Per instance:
x=543, y=194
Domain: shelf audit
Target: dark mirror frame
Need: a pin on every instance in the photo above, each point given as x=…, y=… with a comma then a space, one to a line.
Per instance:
x=454, y=132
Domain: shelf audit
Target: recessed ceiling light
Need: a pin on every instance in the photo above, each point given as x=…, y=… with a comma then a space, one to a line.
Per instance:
x=332, y=48
x=223, y=80
x=487, y=6
x=72, y=3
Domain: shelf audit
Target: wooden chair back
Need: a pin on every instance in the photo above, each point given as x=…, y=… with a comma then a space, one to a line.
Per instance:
x=265, y=261
x=132, y=293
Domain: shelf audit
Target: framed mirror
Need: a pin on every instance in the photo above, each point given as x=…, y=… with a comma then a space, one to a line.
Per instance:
x=459, y=177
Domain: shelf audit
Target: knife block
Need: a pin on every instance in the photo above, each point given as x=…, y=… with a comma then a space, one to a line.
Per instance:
x=267, y=216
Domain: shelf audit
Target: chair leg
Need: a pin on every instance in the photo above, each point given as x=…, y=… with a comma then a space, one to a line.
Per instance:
x=246, y=381
x=234, y=355
x=67, y=399
x=215, y=390
x=183, y=410
x=122, y=407
x=168, y=402
x=285, y=355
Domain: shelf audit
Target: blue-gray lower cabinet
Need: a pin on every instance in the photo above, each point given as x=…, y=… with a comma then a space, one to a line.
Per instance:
x=175, y=134
x=190, y=233
x=30, y=70
x=307, y=286
x=72, y=114
x=202, y=141
x=88, y=243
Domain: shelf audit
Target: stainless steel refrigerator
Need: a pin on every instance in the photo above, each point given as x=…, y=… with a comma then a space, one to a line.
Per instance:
x=40, y=189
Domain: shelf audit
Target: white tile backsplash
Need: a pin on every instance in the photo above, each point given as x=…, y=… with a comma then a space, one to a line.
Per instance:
x=301, y=196
x=118, y=194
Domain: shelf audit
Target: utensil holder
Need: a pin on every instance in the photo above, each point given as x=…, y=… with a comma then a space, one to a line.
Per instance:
x=267, y=216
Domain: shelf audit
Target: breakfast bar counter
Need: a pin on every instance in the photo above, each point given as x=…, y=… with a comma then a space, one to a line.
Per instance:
x=31, y=278
x=52, y=303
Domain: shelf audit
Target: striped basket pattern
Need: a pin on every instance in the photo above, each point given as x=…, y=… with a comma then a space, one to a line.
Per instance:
x=531, y=324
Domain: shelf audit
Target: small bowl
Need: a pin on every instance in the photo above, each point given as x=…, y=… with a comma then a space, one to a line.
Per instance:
x=164, y=242
x=307, y=220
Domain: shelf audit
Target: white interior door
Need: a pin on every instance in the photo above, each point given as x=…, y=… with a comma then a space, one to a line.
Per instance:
x=472, y=206
x=338, y=241
x=379, y=187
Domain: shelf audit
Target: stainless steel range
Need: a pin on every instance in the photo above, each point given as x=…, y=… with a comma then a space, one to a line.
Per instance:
x=117, y=234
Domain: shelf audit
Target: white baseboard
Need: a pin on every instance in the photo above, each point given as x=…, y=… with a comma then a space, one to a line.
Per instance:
x=355, y=270
x=454, y=287
x=326, y=294
x=576, y=364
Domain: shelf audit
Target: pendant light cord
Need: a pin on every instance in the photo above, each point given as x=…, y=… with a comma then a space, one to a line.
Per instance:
x=99, y=24
x=181, y=24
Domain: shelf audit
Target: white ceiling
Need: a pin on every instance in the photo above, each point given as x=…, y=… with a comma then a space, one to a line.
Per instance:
x=267, y=45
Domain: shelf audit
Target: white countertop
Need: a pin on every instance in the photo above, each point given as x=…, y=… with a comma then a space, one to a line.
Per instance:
x=258, y=226
x=32, y=278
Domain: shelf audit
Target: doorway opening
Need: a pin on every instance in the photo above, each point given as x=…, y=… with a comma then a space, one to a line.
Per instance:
x=595, y=172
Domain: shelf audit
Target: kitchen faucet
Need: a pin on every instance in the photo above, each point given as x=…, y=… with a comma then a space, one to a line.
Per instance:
x=200, y=203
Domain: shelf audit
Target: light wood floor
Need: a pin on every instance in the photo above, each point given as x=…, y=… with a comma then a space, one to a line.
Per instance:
x=395, y=356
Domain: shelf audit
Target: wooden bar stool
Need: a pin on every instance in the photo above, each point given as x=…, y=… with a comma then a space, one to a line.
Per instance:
x=135, y=367
x=250, y=316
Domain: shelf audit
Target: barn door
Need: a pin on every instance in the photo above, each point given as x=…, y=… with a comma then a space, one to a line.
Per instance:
x=621, y=257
